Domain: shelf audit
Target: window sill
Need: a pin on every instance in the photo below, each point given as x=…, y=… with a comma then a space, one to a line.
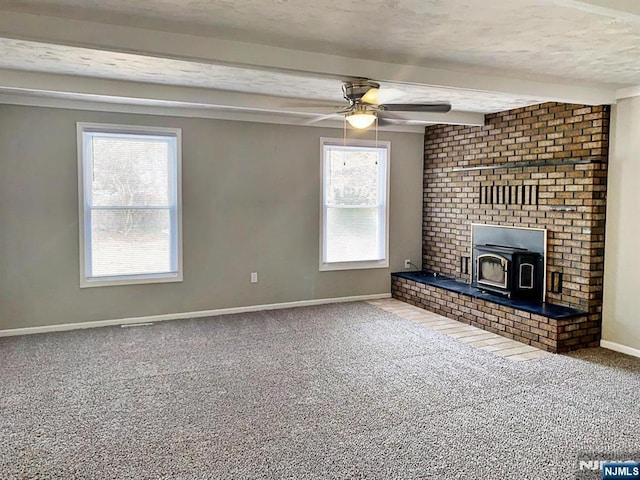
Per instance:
x=328, y=267
x=130, y=280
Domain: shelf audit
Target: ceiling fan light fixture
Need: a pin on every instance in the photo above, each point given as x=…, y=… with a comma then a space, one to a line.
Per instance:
x=361, y=120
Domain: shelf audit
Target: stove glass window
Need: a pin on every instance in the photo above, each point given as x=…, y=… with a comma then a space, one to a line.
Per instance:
x=491, y=270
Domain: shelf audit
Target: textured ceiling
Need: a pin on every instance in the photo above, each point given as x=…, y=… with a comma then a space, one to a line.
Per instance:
x=552, y=44
x=545, y=37
x=23, y=55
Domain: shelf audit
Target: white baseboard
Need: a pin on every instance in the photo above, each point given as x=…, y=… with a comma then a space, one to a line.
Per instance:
x=180, y=316
x=634, y=352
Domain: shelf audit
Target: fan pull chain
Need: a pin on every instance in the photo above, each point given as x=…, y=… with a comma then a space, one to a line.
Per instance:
x=344, y=131
x=376, y=138
x=344, y=140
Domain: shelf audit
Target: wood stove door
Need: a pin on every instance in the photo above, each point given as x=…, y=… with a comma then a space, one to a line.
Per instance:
x=527, y=278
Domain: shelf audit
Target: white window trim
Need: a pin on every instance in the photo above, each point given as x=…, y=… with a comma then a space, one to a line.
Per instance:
x=360, y=265
x=86, y=281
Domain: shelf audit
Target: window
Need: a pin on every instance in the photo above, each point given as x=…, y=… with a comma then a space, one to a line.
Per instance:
x=355, y=191
x=130, y=205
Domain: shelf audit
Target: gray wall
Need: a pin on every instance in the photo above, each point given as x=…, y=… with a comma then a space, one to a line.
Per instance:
x=250, y=203
x=621, y=314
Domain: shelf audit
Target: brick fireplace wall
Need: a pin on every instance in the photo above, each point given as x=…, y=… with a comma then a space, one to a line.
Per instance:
x=567, y=196
x=571, y=197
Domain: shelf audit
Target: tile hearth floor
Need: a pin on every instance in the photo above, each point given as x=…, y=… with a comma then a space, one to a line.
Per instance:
x=475, y=337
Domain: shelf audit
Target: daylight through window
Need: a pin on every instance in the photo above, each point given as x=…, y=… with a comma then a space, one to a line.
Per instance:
x=354, y=205
x=130, y=204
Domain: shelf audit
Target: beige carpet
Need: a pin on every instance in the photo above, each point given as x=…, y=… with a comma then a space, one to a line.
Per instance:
x=337, y=391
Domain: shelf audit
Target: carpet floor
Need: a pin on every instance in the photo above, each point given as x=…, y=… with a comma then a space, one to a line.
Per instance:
x=344, y=391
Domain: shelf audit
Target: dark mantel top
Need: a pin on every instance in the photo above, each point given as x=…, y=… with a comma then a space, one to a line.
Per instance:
x=549, y=310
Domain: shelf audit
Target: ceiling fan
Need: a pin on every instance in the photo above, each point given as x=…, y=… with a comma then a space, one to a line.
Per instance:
x=364, y=107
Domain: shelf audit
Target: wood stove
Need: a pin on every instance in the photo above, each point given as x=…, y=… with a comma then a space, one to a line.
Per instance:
x=511, y=271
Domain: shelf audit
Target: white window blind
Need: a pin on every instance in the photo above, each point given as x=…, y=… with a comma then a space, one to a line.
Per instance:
x=354, y=205
x=130, y=204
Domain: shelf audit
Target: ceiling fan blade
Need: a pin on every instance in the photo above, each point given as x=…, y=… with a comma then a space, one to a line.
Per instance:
x=312, y=107
x=371, y=97
x=320, y=118
x=389, y=115
x=382, y=95
x=386, y=121
x=416, y=107
x=376, y=96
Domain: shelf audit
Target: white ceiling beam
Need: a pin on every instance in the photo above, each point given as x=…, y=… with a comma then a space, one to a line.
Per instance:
x=626, y=10
x=40, y=83
x=628, y=92
x=175, y=100
x=183, y=111
x=211, y=50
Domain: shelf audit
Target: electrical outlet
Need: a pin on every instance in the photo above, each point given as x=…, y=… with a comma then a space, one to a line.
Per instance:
x=407, y=263
x=254, y=277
